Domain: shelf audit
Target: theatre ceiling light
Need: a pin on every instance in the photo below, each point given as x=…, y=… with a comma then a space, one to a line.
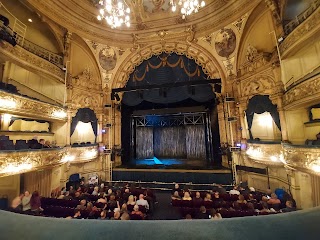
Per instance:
x=115, y=13
x=186, y=7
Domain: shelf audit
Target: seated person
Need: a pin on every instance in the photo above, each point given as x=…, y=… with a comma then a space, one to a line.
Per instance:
x=274, y=199
x=103, y=215
x=203, y=213
x=82, y=205
x=214, y=215
x=95, y=191
x=175, y=196
x=251, y=199
x=77, y=214
x=142, y=202
x=216, y=197
x=221, y=190
x=197, y=198
x=208, y=197
x=137, y=211
x=186, y=196
x=234, y=191
x=131, y=200
x=241, y=199
x=176, y=188
x=289, y=207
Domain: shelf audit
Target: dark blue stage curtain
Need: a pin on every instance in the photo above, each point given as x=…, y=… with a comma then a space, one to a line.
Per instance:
x=167, y=69
x=195, y=142
x=144, y=142
x=170, y=142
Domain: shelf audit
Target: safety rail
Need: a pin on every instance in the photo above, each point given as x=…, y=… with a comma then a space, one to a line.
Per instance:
x=289, y=27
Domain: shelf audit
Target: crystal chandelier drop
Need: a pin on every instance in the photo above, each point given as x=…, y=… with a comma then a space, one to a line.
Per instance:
x=187, y=6
x=115, y=12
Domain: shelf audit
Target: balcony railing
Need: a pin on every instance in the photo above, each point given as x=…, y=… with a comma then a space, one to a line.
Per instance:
x=301, y=157
x=54, y=58
x=289, y=27
x=16, y=162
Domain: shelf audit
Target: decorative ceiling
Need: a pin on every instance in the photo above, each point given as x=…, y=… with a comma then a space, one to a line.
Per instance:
x=147, y=16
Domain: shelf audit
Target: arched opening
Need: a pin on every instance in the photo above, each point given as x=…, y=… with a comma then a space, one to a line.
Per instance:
x=169, y=116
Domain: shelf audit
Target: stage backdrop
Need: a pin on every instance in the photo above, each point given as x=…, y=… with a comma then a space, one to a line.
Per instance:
x=144, y=142
x=171, y=142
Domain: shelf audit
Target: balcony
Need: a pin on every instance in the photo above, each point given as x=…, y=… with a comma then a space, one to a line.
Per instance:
x=16, y=162
x=300, y=157
x=301, y=31
x=19, y=105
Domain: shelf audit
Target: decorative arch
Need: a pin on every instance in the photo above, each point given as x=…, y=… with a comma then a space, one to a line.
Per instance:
x=200, y=55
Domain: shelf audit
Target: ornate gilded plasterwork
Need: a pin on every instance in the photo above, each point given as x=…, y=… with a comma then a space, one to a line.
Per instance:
x=85, y=91
x=24, y=161
x=268, y=154
x=32, y=61
x=82, y=19
x=301, y=33
x=28, y=107
x=302, y=158
x=304, y=92
x=144, y=51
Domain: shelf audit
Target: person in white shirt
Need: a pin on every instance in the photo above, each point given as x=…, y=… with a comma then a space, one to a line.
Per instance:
x=234, y=191
x=143, y=202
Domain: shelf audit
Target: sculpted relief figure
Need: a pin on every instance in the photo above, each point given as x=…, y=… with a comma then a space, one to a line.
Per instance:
x=251, y=53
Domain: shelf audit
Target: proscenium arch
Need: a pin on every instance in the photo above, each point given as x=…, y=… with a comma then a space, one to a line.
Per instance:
x=200, y=55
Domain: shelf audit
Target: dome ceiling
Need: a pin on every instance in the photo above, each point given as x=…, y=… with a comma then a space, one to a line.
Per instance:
x=147, y=16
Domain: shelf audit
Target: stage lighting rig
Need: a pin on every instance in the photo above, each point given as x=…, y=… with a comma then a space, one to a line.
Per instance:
x=6, y=33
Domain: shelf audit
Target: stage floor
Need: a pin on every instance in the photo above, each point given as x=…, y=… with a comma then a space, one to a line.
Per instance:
x=169, y=162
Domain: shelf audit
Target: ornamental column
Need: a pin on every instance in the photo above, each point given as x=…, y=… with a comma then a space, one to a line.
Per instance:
x=278, y=101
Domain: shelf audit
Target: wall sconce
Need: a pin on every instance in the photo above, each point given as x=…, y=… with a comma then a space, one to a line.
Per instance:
x=68, y=158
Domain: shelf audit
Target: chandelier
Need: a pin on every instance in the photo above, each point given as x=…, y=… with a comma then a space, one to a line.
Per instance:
x=115, y=12
x=187, y=6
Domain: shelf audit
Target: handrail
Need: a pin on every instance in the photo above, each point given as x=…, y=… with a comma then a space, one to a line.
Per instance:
x=54, y=58
x=289, y=27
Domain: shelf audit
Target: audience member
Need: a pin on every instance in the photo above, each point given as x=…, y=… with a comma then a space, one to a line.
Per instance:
x=131, y=200
x=234, y=191
x=26, y=201
x=77, y=214
x=143, y=202
x=16, y=203
x=214, y=215
x=35, y=203
x=82, y=205
x=289, y=207
x=175, y=196
x=137, y=211
x=207, y=197
x=186, y=196
x=103, y=215
x=203, y=213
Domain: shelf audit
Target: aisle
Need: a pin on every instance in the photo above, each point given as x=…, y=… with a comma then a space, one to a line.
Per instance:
x=163, y=209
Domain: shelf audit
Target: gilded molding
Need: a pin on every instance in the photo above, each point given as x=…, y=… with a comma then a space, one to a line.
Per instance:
x=25, y=161
x=202, y=57
x=301, y=33
x=268, y=154
x=306, y=91
x=19, y=105
x=30, y=60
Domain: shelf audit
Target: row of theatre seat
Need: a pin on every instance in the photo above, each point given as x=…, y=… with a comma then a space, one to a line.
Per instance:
x=7, y=144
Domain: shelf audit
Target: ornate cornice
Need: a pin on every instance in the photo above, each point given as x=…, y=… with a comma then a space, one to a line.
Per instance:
x=25, y=161
x=303, y=94
x=80, y=17
x=22, y=106
x=298, y=37
x=144, y=50
x=28, y=60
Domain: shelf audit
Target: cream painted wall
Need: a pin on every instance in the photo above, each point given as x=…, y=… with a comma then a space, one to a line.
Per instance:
x=263, y=41
x=37, y=32
x=10, y=186
x=295, y=120
x=263, y=127
x=59, y=129
x=34, y=85
x=303, y=62
x=22, y=125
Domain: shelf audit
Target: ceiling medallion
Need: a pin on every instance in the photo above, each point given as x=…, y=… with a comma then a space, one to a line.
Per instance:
x=186, y=7
x=115, y=12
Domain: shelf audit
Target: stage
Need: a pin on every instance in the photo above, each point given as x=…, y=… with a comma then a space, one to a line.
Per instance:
x=169, y=163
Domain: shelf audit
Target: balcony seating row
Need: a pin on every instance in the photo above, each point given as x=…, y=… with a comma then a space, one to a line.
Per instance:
x=7, y=144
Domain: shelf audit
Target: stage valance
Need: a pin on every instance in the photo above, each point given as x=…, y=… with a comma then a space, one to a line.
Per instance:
x=85, y=115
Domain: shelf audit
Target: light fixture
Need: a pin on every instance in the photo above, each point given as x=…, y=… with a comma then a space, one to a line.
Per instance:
x=59, y=114
x=7, y=103
x=115, y=13
x=186, y=7
x=29, y=20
